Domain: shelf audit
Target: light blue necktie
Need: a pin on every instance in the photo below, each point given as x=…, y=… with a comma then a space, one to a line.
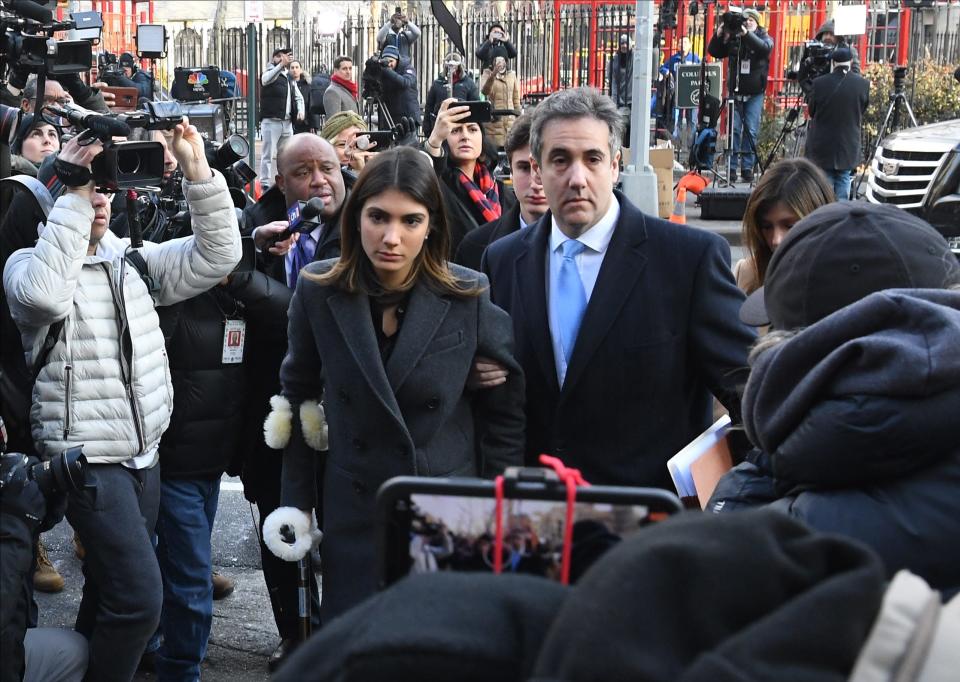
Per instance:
x=571, y=299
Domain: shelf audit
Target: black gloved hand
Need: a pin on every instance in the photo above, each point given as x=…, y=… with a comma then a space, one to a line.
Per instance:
x=76, y=87
x=21, y=496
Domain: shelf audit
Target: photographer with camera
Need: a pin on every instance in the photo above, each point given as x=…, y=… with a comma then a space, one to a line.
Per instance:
x=496, y=45
x=836, y=104
x=106, y=382
x=280, y=105
x=454, y=81
x=30, y=505
x=745, y=44
x=399, y=32
x=827, y=36
x=140, y=79
x=394, y=81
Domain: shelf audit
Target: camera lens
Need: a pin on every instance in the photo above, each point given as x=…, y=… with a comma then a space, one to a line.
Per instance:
x=128, y=162
x=63, y=473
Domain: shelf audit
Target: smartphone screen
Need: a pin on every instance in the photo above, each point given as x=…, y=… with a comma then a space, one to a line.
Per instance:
x=433, y=530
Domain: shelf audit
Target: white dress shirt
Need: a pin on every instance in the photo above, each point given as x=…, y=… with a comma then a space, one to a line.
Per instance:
x=596, y=239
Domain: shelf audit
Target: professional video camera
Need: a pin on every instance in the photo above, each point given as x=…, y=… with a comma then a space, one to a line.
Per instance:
x=733, y=20
x=108, y=64
x=372, y=88
x=121, y=165
x=814, y=61
x=27, y=43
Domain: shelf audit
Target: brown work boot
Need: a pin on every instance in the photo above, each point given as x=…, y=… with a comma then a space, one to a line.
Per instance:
x=222, y=586
x=45, y=576
x=78, y=547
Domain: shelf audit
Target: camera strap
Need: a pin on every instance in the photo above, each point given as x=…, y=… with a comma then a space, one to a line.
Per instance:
x=571, y=479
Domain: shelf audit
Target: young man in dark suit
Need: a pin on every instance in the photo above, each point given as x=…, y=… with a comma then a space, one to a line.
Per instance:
x=531, y=202
x=624, y=323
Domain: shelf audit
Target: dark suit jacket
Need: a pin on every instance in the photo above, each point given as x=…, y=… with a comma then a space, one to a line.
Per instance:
x=836, y=104
x=661, y=332
x=412, y=417
x=470, y=252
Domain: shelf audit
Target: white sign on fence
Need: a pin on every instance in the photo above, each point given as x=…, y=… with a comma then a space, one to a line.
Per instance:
x=253, y=11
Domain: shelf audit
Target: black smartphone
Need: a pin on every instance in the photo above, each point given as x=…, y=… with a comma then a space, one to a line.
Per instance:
x=431, y=524
x=383, y=138
x=481, y=111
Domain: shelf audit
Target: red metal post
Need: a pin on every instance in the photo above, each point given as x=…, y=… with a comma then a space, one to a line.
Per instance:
x=709, y=18
x=556, y=46
x=903, y=39
x=592, y=55
x=775, y=30
x=819, y=14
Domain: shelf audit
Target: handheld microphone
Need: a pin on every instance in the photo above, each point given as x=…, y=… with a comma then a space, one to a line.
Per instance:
x=104, y=127
x=302, y=217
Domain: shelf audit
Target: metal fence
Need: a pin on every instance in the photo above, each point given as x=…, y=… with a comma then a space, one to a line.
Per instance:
x=564, y=44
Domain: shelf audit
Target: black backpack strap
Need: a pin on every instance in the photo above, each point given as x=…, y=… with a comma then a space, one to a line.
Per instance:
x=53, y=333
x=136, y=259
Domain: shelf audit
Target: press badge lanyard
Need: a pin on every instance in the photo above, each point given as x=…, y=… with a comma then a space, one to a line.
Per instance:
x=234, y=333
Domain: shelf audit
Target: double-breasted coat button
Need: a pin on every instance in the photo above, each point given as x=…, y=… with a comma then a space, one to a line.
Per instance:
x=359, y=488
x=433, y=403
x=402, y=450
x=343, y=396
x=359, y=444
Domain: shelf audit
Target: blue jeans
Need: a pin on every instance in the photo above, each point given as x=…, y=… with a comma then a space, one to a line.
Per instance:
x=841, y=181
x=751, y=107
x=114, y=515
x=187, y=510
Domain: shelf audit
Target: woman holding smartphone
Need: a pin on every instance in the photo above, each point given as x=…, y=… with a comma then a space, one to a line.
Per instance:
x=464, y=161
x=387, y=335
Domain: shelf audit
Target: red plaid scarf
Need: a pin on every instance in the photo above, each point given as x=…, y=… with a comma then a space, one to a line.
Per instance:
x=482, y=190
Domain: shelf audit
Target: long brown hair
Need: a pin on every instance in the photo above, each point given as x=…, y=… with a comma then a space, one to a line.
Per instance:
x=800, y=185
x=406, y=170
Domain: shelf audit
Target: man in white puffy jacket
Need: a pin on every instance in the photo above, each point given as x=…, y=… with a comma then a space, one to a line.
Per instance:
x=106, y=382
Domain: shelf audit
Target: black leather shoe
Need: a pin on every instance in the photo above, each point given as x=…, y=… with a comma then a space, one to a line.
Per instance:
x=279, y=655
x=747, y=176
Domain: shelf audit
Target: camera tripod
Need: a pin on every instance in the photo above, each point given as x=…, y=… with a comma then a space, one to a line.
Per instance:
x=891, y=122
x=790, y=126
x=384, y=119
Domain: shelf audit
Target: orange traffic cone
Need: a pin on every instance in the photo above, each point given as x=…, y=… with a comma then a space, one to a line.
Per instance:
x=679, y=214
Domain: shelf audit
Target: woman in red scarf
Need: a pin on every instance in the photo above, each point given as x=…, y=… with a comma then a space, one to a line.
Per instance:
x=464, y=161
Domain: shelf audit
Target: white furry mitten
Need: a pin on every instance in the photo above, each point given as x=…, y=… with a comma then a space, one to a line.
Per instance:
x=302, y=525
x=278, y=424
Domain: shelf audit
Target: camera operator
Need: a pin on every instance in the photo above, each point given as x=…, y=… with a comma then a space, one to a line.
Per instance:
x=107, y=381
x=496, y=45
x=280, y=105
x=141, y=80
x=399, y=32
x=26, y=651
x=746, y=45
x=826, y=35
x=396, y=81
x=836, y=104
